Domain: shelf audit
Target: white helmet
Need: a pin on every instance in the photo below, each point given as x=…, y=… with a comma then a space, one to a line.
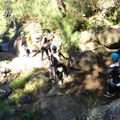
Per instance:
x=22, y=33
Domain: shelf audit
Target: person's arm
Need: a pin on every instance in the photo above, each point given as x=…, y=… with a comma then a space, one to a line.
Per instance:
x=60, y=54
x=107, y=72
x=42, y=42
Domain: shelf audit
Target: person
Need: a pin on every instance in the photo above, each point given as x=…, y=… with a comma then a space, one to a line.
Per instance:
x=55, y=59
x=114, y=73
x=45, y=47
x=24, y=47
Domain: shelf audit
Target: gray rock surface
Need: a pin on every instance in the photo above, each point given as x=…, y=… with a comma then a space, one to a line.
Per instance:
x=83, y=60
x=110, y=37
x=60, y=108
x=105, y=112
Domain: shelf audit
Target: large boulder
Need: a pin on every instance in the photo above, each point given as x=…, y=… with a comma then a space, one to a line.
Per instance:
x=88, y=40
x=106, y=112
x=4, y=46
x=84, y=61
x=109, y=37
x=60, y=108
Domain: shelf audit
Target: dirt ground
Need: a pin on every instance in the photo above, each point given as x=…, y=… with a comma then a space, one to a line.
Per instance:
x=89, y=85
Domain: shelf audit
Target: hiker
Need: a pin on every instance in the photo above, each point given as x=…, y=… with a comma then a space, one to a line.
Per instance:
x=114, y=73
x=24, y=47
x=45, y=47
x=56, y=62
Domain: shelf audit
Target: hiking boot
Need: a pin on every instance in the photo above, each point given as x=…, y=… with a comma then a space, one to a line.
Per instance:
x=109, y=94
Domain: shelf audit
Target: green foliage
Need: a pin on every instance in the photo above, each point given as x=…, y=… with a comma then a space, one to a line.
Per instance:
x=14, y=97
x=69, y=37
x=1, y=40
x=21, y=80
x=22, y=10
x=113, y=15
x=29, y=82
x=4, y=7
x=86, y=7
x=32, y=113
x=4, y=108
x=90, y=100
x=3, y=23
x=28, y=113
x=45, y=10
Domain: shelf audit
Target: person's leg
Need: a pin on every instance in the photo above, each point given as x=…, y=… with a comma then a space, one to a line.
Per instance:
x=42, y=52
x=53, y=72
x=47, y=53
x=64, y=68
x=49, y=49
x=112, y=89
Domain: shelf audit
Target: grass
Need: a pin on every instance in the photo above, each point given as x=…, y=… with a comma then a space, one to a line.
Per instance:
x=90, y=100
x=28, y=113
x=14, y=97
x=4, y=108
x=21, y=80
x=30, y=82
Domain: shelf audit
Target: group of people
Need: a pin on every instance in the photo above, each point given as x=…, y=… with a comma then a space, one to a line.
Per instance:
x=55, y=57
x=52, y=51
x=114, y=73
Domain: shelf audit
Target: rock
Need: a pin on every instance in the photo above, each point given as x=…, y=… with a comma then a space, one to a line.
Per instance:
x=105, y=112
x=54, y=92
x=2, y=93
x=84, y=61
x=14, y=111
x=3, y=81
x=5, y=91
x=23, y=64
x=26, y=98
x=110, y=37
x=4, y=46
x=88, y=40
x=59, y=108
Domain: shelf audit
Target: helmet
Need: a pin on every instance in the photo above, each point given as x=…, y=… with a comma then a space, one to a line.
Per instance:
x=115, y=56
x=54, y=47
x=21, y=33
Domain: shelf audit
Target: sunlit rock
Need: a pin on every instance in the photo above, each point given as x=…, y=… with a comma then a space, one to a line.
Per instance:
x=110, y=37
x=88, y=40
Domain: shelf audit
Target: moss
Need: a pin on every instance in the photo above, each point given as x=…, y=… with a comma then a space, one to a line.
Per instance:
x=14, y=97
